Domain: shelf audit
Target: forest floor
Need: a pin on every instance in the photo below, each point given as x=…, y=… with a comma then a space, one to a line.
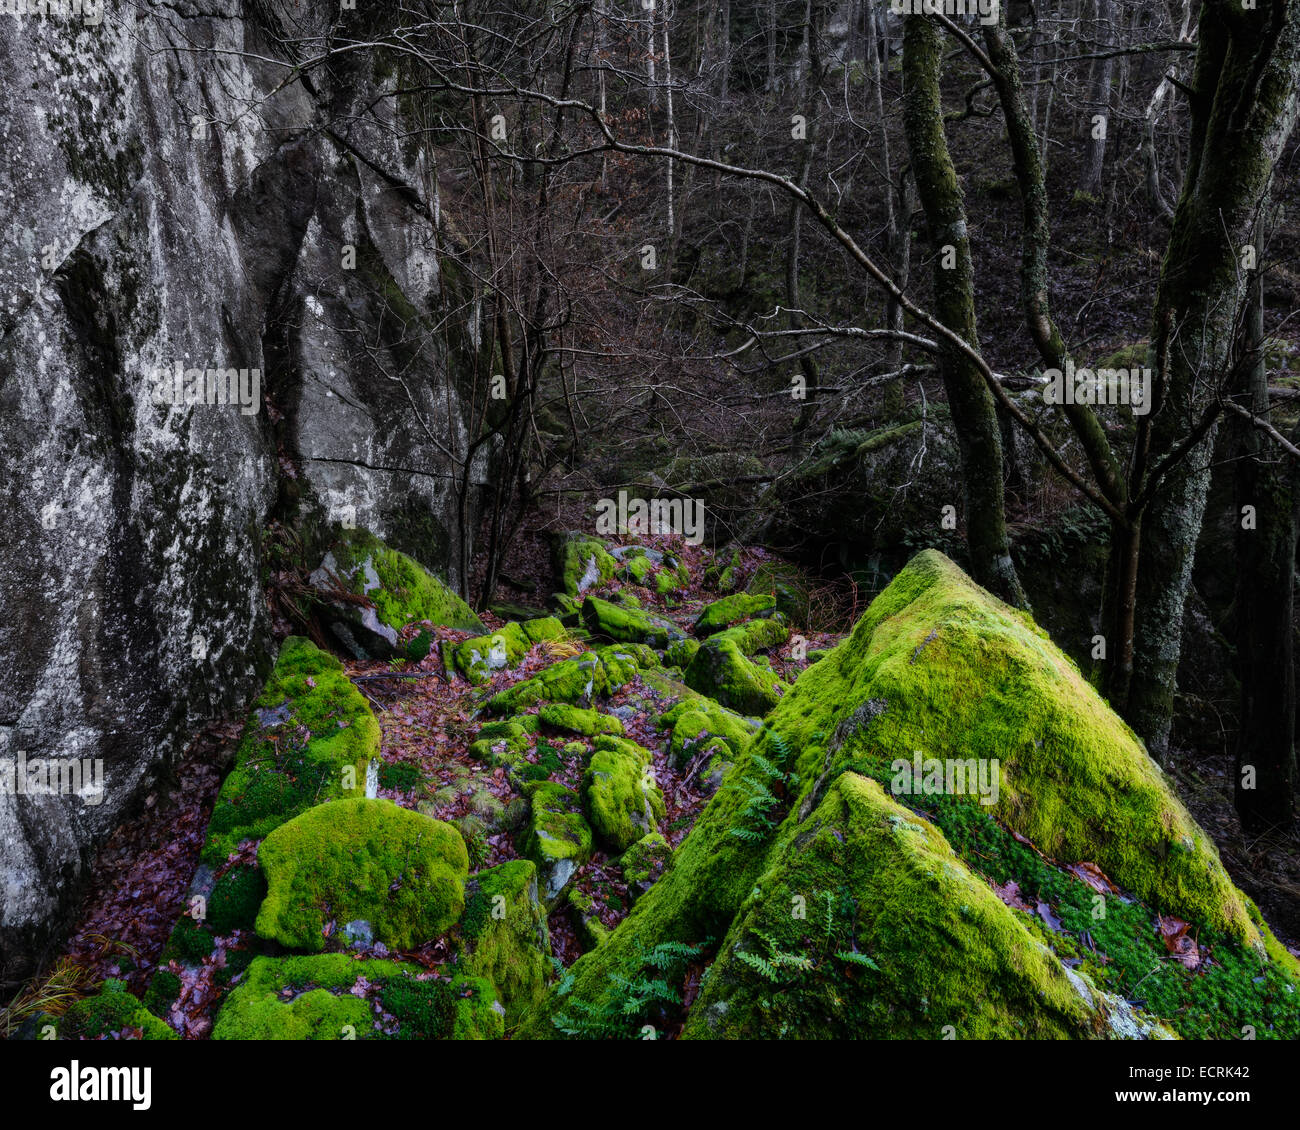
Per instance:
x=143, y=872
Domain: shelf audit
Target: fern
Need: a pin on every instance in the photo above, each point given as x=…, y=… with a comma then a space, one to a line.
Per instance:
x=755, y=821
x=857, y=959
x=621, y=1013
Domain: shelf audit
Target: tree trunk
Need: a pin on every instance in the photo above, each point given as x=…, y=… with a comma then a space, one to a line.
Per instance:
x=1245, y=107
x=974, y=419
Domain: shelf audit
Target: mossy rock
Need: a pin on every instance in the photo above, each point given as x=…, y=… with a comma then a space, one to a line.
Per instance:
x=627, y=625
x=731, y=610
x=112, y=1010
x=694, y=721
x=622, y=800
x=501, y=743
x=681, y=652
x=481, y=657
x=754, y=635
x=586, y=916
x=504, y=935
x=400, y=589
x=309, y=738
x=544, y=628
x=917, y=946
x=722, y=671
x=581, y=562
x=638, y=569
x=575, y=720
x=322, y=998
x=938, y=664
x=643, y=863
x=578, y=680
x=558, y=841
x=401, y=871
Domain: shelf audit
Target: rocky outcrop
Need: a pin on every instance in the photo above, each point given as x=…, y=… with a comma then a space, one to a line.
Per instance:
x=173, y=205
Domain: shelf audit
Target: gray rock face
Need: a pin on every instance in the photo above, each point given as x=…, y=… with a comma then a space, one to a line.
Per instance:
x=165, y=206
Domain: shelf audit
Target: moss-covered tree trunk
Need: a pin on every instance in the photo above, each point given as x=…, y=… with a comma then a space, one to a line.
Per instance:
x=1243, y=110
x=974, y=419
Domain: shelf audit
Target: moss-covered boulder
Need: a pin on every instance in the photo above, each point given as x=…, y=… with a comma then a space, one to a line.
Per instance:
x=112, y=1013
x=825, y=879
x=643, y=863
x=622, y=800
x=578, y=680
x=397, y=591
x=628, y=625
x=730, y=610
x=681, y=652
x=723, y=671
x=370, y=860
x=585, y=910
x=504, y=935
x=541, y=628
x=694, y=721
x=558, y=840
x=581, y=562
x=340, y=997
x=575, y=720
x=481, y=657
x=502, y=742
x=309, y=738
x=867, y=926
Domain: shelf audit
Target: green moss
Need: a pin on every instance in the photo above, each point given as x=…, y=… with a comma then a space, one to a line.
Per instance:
x=695, y=721
x=939, y=665
x=722, y=671
x=627, y=625
x=164, y=988
x=638, y=569
x=189, y=942
x=112, y=1010
x=304, y=998
x=401, y=776
x=681, y=652
x=643, y=863
x=544, y=628
x=929, y=944
x=591, y=930
x=406, y=591
x=623, y=802
x=787, y=586
x=577, y=680
x=731, y=609
x=235, y=899
x=478, y=1014
x=316, y=744
x=559, y=838
x=582, y=562
x=574, y=720
x=504, y=936
x=362, y=859
x=480, y=657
